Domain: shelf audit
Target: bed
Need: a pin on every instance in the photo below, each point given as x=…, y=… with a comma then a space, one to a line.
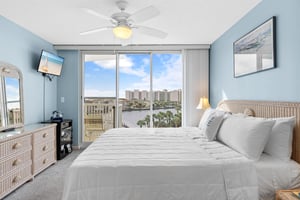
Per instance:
x=183, y=163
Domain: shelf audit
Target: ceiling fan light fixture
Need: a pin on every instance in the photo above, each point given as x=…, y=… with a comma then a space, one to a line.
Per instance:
x=122, y=32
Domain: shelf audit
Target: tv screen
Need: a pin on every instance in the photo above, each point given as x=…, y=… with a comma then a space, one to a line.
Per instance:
x=50, y=63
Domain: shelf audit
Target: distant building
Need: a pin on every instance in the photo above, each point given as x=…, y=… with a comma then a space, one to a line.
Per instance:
x=129, y=94
x=164, y=95
x=175, y=95
x=145, y=95
x=136, y=94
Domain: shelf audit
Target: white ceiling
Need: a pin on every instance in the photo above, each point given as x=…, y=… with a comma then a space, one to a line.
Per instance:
x=185, y=21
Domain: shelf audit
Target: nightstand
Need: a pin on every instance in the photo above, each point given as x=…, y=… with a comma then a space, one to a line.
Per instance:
x=286, y=194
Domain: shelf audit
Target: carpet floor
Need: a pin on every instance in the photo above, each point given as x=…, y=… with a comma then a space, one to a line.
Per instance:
x=48, y=185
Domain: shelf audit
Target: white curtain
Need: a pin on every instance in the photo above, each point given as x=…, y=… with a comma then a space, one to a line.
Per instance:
x=196, y=70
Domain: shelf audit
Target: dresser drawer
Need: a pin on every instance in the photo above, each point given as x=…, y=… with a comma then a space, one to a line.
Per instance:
x=43, y=161
x=15, y=162
x=12, y=181
x=13, y=146
x=43, y=135
x=40, y=149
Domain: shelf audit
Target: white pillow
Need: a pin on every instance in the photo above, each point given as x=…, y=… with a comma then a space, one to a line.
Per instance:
x=247, y=135
x=280, y=141
x=210, y=122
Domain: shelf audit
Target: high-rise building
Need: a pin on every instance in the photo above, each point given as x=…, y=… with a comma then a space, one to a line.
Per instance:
x=164, y=95
x=145, y=95
x=175, y=95
x=136, y=94
x=129, y=94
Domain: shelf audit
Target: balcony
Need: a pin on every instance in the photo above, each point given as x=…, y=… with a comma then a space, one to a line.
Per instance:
x=99, y=116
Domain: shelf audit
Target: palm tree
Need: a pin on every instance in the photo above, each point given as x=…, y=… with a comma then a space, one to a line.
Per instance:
x=147, y=120
x=154, y=117
x=177, y=119
x=169, y=116
x=141, y=123
x=161, y=117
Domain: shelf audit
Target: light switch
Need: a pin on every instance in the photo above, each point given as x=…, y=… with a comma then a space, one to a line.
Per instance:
x=62, y=99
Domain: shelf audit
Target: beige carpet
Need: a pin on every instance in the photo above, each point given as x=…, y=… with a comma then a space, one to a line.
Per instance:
x=48, y=185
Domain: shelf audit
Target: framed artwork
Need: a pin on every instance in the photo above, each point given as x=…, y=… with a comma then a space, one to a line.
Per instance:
x=255, y=51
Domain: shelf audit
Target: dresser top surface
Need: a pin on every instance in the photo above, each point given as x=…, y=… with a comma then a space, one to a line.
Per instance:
x=27, y=129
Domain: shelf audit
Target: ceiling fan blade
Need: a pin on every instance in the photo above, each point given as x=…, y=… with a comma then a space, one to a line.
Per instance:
x=96, y=30
x=144, y=14
x=97, y=14
x=152, y=32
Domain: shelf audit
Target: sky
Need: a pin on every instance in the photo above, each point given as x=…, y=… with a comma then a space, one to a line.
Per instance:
x=12, y=92
x=134, y=73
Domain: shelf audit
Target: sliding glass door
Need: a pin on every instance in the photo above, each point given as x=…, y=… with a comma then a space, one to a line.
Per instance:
x=99, y=103
x=167, y=73
x=134, y=89
x=131, y=90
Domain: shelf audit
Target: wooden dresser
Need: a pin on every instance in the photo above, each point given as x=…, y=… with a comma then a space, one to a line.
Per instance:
x=24, y=153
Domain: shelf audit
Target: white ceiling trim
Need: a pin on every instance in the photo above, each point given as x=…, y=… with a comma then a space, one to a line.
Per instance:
x=158, y=47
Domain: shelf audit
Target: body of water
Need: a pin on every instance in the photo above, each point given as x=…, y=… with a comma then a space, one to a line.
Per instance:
x=130, y=118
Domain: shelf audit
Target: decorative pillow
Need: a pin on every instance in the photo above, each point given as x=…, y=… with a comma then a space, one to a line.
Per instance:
x=280, y=141
x=210, y=122
x=247, y=135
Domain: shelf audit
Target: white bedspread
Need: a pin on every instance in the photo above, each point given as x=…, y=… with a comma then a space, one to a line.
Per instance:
x=159, y=164
x=274, y=174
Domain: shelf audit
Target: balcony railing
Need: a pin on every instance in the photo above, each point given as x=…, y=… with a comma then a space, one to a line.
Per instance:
x=98, y=117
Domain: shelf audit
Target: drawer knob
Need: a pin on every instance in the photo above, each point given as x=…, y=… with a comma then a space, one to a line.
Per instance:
x=45, y=161
x=17, y=145
x=45, y=148
x=17, y=179
x=16, y=162
x=45, y=135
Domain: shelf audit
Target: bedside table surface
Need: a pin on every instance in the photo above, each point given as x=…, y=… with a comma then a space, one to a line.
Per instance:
x=287, y=194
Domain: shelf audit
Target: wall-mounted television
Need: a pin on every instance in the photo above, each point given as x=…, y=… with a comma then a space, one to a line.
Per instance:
x=50, y=63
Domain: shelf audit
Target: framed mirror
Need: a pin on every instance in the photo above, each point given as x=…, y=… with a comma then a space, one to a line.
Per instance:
x=11, y=97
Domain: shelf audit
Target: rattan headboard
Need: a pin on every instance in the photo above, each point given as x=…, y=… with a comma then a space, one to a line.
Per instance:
x=269, y=109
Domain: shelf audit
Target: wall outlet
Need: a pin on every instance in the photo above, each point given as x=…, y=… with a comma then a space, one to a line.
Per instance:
x=62, y=99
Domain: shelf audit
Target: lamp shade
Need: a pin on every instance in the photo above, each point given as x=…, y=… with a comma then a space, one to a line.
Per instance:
x=203, y=103
x=122, y=31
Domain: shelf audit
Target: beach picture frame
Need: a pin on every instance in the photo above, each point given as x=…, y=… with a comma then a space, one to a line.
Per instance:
x=255, y=51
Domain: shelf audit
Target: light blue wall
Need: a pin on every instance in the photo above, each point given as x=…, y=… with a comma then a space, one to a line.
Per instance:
x=69, y=87
x=22, y=49
x=282, y=83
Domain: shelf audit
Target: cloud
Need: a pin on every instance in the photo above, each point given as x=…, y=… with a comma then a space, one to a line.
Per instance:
x=99, y=93
x=169, y=77
x=12, y=92
x=127, y=65
x=172, y=76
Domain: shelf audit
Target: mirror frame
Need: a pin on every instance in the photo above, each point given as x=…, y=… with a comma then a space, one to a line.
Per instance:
x=11, y=71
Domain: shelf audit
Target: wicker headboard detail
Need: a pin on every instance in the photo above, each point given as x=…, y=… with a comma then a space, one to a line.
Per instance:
x=269, y=109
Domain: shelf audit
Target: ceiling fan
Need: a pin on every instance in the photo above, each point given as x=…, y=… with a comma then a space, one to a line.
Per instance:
x=123, y=23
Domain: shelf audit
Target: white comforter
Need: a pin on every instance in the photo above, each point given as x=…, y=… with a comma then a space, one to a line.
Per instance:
x=159, y=164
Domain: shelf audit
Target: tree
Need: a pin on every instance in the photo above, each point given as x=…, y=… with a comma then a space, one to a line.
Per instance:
x=154, y=117
x=141, y=123
x=169, y=116
x=147, y=120
x=177, y=119
x=160, y=117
